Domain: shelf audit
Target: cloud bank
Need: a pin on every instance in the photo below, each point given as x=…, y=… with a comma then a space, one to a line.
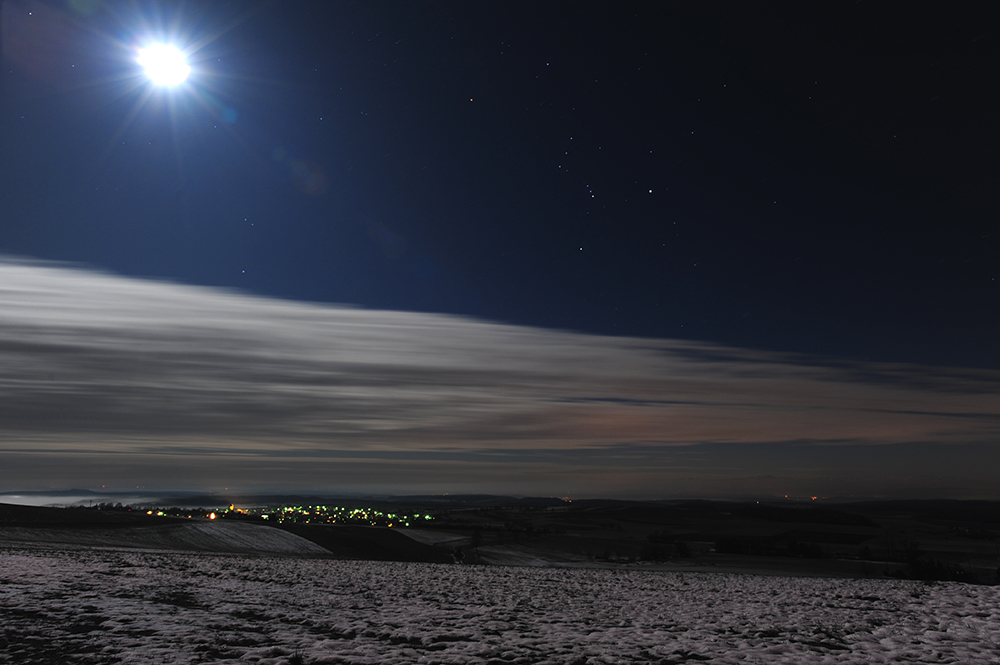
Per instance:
x=106, y=380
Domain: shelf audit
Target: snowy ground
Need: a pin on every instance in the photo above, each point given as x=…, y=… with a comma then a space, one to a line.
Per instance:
x=111, y=606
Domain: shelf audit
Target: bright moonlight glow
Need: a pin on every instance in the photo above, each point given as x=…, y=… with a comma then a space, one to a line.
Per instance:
x=164, y=64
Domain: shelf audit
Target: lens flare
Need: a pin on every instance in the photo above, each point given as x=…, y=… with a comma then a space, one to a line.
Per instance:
x=164, y=64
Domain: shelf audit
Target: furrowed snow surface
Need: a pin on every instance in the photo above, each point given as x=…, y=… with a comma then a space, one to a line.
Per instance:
x=108, y=606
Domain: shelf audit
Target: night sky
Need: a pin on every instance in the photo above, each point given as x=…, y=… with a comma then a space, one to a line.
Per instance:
x=611, y=249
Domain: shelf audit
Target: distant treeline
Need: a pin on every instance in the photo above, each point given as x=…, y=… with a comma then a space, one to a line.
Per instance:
x=769, y=547
x=905, y=560
x=173, y=511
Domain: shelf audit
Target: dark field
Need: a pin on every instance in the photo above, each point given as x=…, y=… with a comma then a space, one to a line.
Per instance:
x=939, y=540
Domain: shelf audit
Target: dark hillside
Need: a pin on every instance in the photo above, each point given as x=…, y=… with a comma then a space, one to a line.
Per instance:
x=38, y=517
x=369, y=543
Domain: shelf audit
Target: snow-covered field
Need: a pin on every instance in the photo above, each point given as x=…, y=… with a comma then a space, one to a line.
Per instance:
x=110, y=606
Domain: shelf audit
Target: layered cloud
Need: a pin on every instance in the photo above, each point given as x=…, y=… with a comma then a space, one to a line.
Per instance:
x=126, y=381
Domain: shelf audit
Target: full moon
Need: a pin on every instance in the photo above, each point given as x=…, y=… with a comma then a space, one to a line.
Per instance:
x=164, y=64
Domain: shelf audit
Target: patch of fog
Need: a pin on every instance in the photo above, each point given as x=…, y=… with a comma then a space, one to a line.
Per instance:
x=61, y=500
x=200, y=536
x=142, y=607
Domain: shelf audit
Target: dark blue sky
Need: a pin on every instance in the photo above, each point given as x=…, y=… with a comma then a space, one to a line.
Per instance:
x=795, y=178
